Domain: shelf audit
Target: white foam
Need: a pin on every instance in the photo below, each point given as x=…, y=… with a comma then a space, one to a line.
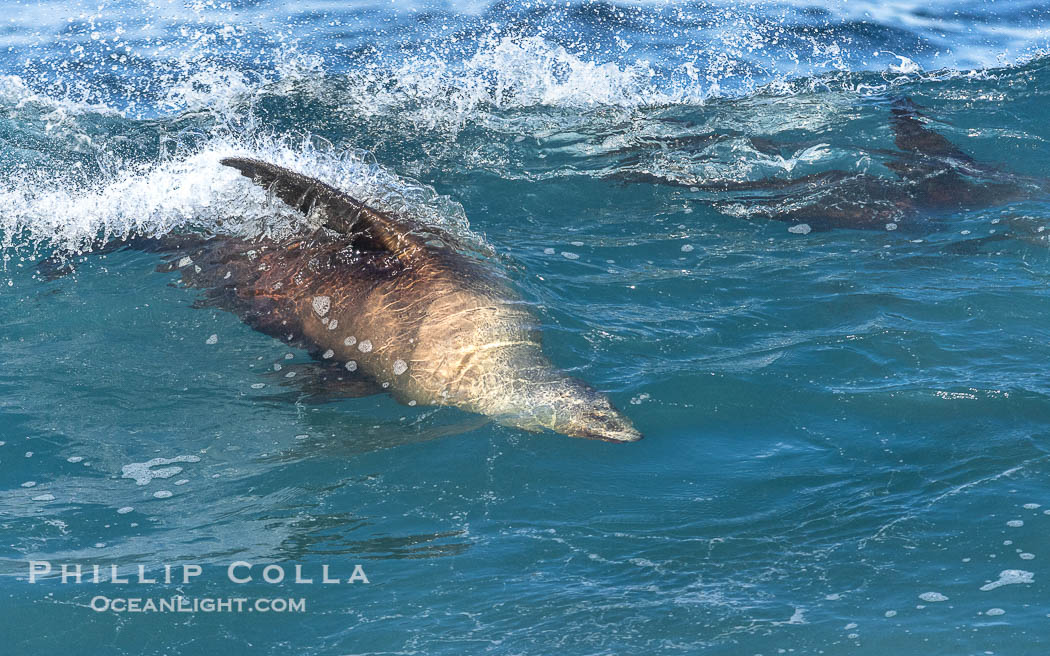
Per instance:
x=1009, y=577
x=504, y=72
x=143, y=472
x=933, y=597
x=216, y=89
x=197, y=192
x=904, y=65
x=56, y=111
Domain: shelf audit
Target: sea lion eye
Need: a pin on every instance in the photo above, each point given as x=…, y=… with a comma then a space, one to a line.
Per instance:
x=602, y=419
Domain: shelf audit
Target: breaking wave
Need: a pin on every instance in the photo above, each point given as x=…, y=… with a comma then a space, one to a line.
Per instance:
x=110, y=131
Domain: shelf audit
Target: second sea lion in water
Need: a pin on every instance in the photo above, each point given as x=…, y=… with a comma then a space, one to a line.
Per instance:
x=392, y=304
x=932, y=177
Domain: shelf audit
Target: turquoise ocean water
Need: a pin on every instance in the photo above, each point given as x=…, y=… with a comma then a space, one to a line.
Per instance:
x=847, y=431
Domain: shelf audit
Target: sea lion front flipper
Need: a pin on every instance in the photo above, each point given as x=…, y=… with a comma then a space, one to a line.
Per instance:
x=940, y=175
x=912, y=136
x=369, y=228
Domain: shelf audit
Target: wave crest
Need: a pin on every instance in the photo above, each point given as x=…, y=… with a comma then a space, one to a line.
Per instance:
x=197, y=193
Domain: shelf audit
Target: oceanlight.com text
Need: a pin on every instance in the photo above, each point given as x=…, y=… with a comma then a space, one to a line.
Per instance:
x=179, y=604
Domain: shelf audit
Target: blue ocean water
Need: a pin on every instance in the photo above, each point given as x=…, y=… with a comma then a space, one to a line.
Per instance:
x=846, y=430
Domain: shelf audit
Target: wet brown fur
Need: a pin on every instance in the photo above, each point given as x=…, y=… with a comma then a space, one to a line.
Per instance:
x=396, y=304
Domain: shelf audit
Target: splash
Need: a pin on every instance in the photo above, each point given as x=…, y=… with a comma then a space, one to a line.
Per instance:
x=593, y=88
x=197, y=193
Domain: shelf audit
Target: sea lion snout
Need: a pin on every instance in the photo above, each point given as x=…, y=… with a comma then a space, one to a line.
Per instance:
x=549, y=400
x=592, y=416
x=606, y=424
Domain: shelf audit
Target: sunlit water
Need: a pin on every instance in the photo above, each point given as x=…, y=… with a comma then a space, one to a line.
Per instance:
x=846, y=431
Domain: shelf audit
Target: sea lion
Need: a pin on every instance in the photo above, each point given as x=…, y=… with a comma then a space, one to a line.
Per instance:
x=933, y=176
x=384, y=302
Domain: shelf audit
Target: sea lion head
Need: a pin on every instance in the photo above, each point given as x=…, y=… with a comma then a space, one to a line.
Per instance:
x=571, y=407
x=594, y=417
